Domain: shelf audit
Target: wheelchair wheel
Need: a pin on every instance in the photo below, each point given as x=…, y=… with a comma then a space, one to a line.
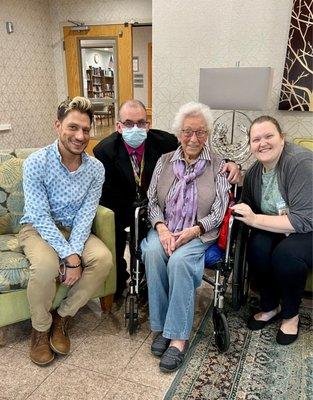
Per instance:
x=131, y=314
x=221, y=331
x=240, y=282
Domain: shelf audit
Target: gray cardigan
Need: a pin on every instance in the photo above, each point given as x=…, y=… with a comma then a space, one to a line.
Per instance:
x=295, y=183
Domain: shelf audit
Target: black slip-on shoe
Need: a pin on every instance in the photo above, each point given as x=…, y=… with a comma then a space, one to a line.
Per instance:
x=173, y=358
x=159, y=345
x=286, y=338
x=255, y=325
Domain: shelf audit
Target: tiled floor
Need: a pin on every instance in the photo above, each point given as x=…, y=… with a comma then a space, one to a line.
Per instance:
x=104, y=362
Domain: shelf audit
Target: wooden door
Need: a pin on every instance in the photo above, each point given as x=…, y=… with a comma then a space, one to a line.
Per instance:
x=123, y=38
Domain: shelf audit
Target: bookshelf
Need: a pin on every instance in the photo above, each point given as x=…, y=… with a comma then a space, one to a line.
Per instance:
x=99, y=84
x=107, y=83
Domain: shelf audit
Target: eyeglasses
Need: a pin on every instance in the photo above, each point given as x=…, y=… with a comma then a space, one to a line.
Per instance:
x=130, y=124
x=188, y=133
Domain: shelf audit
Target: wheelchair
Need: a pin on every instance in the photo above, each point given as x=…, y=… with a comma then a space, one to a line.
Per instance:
x=225, y=263
x=137, y=289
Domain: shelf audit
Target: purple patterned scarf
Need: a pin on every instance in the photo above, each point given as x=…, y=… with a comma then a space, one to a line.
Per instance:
x=181, y=207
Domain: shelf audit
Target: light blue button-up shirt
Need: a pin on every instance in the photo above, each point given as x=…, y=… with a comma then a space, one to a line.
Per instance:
x=54, y=196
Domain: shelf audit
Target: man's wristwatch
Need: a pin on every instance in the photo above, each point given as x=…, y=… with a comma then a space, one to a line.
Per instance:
x=69, y=265
x=72, y=265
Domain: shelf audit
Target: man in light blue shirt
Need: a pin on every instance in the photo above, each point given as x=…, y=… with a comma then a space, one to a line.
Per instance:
x=62, y=187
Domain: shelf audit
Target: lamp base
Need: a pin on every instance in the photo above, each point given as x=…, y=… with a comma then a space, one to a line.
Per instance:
x=230, y=137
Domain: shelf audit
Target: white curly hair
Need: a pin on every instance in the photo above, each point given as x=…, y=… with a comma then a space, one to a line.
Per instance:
x=192, y=109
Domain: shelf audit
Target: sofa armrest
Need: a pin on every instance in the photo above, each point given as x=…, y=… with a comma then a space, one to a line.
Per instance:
x=104, y=228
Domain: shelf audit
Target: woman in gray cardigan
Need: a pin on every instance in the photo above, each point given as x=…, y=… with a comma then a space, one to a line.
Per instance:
x=187, y=201
x=277, y=204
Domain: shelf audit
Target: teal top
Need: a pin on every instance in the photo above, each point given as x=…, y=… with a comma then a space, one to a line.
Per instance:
x=295, y=182
x=272, y=202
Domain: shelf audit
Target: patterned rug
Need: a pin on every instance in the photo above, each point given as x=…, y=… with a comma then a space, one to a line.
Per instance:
x=255, y=366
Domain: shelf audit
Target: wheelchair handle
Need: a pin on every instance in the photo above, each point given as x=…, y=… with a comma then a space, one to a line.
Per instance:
x=235, y=214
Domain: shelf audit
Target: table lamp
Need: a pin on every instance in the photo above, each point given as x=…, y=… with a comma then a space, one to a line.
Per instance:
x=239, y=88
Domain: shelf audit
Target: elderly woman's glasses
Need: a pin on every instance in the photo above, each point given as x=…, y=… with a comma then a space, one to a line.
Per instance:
x=130, y=124
x=188, y=133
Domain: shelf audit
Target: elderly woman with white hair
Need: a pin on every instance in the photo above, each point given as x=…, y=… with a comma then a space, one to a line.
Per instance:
x=188, y=197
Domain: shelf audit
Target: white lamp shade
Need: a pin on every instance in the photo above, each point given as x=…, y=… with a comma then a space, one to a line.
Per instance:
x=240, y=88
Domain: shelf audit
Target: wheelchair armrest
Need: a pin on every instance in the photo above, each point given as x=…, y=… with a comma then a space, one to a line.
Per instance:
x=141, y=203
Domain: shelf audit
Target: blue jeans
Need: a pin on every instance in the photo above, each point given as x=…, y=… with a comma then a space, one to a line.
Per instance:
x=172, y=282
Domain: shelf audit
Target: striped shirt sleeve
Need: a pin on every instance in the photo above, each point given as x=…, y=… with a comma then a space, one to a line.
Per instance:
x=155, y=214
x=219, y=206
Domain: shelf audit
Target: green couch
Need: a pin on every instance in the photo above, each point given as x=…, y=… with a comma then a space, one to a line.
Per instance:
x=14, y=267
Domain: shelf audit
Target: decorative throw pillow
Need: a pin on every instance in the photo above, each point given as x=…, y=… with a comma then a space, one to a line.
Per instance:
x=11, y=195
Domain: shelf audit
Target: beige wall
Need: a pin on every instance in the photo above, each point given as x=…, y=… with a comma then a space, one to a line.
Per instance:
x=27, y=77
x=188, y=35
x=32, y=68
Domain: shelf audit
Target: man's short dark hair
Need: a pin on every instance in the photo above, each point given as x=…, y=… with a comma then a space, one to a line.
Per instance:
x=131, y=103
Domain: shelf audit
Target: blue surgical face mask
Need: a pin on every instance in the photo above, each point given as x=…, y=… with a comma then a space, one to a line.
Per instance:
x=134, y=136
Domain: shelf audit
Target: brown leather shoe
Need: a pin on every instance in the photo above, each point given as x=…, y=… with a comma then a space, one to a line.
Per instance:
x=40, y=351
x=59, y=340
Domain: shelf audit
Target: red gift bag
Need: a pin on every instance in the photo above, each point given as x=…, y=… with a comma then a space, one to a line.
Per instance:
x=222, y=238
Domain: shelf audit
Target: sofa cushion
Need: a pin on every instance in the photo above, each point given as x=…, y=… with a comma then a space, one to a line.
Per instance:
x=14, y=266
x=11, y=188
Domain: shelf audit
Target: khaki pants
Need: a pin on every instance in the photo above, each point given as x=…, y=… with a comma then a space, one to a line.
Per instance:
x=44, y=269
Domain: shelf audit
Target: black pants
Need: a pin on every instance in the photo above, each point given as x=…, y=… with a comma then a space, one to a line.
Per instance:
x=280, y=265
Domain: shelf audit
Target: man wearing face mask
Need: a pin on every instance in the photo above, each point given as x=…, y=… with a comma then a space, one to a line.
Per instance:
x=129, y=156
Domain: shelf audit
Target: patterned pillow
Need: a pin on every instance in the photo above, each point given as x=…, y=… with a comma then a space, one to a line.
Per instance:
x=5, y=155
x=14, y=267
x=10, y=243
x=25, y=152
x=11, y=195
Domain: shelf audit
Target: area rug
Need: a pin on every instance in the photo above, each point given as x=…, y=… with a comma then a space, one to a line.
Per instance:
x=255, y=366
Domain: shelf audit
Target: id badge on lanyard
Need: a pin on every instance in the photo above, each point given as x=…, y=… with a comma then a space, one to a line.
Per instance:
x=138, y=177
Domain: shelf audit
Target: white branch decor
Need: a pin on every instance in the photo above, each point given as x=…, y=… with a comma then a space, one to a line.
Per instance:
x=297, y=84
